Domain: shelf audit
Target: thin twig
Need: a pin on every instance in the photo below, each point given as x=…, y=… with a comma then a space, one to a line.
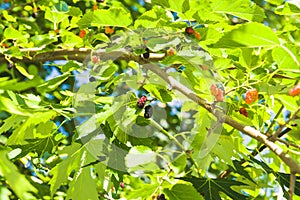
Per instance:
x=274, y=120
x=288, y=143
x=278, y=131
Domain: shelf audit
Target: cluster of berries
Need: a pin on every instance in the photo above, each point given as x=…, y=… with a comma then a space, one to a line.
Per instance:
x=148, y=109
x=217, y=91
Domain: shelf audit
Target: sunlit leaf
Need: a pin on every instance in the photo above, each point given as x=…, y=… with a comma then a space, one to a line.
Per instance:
x=111, y=17
x=17, y=181
x=247, y=35
x=243, y=9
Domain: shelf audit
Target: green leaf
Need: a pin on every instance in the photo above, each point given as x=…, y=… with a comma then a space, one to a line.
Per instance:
x=225, y=149
x=52, y=84
x=211, y=188
x=17, y=182
x=179, y=163
x=83, y=186
x=86, y=20
x=141, y=158
x=26, y=130
x=61, y=7
x=23, y=71
x=13, y=34
x=38, y=145
x=240, y=169
x=153, y=18
x=9, y=106
x=100, y=37
x=183, y=191
x=117, y=156
x=287, y=58
x=241, y=119
x=70, y=66
x=8, y=17
x=106, y=71
x=41, y=40
x=179, y=5
x=55, y=16
x=251, y=34
x=159, y=91
x=288, y=9
x=62, y=170
x=157, y=44
x=111, y=17
x=284, y=181
x=143, y=192
x=11, y=122
x=289, y=102
x=71, y=40
x=243, y=9
x=191, y=59
x=263, y=165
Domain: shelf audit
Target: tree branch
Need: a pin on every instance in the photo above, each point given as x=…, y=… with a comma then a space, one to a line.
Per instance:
x=40, y=55
x=292, y=185
x=82, y=54
x=294, y=166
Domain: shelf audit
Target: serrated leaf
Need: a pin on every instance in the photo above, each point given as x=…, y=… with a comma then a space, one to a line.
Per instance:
x=224, y=148
x=11, y=122
x=26, y=130
x=83, y=186
x=17, y=182
x=70, y=39
x=241, y=170
x=243, y=9
x=211, y=188
x=284, y=181
x=117, y=156
x=263, y=165
x=183, y=191
x=61, y=7
x=251, y=34
x=288, y=101
x=9, y=106
x=39, y=145
x=111, y=17
x=62, y=170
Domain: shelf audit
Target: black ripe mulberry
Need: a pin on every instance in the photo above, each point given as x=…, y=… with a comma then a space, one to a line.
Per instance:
x=148, y=111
